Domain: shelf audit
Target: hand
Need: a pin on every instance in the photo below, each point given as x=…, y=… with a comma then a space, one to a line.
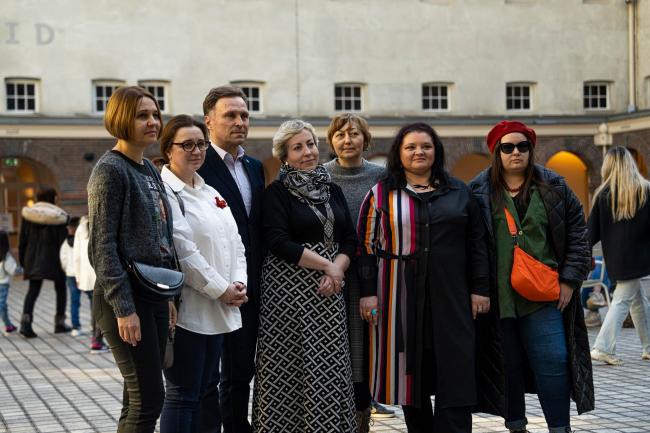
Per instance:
x=368, y=305
x=234, y=297
x=335, y=272
x=173, y=314
x=326, y=286
x=566, y=292
x=129, y=328
x=480, y=305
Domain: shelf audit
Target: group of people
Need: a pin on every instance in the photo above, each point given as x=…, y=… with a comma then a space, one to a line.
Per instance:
x=339, y=282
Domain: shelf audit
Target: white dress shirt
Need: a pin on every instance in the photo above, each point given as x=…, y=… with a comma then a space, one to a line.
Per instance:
x=238, y=172
x=211, y=254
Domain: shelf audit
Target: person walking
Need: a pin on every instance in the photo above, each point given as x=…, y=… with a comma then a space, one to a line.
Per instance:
x=130, y=221
x=42, y=231
x=619, y=218
x=424, y=279
x=548, y=338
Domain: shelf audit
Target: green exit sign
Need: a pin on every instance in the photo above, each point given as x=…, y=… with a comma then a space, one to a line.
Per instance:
x=10, y=162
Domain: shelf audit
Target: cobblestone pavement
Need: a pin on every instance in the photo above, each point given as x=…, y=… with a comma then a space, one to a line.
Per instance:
x=53, y=384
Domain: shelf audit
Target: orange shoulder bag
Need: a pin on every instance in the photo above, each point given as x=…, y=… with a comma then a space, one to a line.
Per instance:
x=531, y=278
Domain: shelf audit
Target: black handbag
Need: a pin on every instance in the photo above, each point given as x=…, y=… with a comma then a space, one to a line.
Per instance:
x=155, y=282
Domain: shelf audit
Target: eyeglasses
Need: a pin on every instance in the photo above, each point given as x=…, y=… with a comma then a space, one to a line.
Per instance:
x=189, y=145
x=522, y=147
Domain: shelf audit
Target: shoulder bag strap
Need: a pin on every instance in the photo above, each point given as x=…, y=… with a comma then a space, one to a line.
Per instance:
x=512, y=226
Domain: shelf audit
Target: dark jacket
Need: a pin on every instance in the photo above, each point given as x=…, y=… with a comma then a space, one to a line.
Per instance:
x=216, y=174
x=624, y=260
x=423, y=258
x=42, y=231
x=568, y=236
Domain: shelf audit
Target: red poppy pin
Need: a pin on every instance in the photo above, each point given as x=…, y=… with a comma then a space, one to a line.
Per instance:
x=221, y=203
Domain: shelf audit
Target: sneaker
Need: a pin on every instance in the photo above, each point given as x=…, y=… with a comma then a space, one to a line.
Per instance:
x=77, y=332
x=592, y=319
x=9, y=329
x=645, y=356
x=596, y=300
x=597, y=355
x=379, y=411
x=97, y=347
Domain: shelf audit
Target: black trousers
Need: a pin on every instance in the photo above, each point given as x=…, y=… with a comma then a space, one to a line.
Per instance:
x=444, y=419
x=35, y=289
x=141, y=366
x=229, y=405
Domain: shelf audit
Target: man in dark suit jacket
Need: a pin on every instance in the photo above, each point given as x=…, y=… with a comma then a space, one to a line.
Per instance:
x=240, y=180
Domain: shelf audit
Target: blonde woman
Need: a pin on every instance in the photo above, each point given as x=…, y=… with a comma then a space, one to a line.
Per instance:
x=619, y=219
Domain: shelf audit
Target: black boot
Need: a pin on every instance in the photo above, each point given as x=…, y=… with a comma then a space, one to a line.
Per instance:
x=26, y=326
x=363, y=421
x=59, y=324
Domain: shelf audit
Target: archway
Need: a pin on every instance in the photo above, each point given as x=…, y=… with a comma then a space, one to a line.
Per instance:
x=640, y=161
x=20, y=178
x=574, y=170
x=468, y=166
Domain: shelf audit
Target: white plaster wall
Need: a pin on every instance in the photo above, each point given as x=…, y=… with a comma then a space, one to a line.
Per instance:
x=391, y=45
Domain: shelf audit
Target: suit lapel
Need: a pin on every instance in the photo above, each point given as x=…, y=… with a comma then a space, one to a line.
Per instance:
x=225, y=184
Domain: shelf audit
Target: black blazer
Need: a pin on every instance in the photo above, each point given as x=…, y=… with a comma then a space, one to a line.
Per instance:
x=216, y=174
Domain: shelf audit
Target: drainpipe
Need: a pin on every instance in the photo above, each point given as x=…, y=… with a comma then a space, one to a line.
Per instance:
x=631, y=53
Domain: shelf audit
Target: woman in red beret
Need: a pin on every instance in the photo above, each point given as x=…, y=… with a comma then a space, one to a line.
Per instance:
x=541, y=345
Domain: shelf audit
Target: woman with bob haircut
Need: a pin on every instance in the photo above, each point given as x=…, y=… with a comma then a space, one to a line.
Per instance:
x=532, y=346
x=619, y=218
x=213, y=260
x=349, y=136
x=424, y=278
x=303, y=377
x=129, y=220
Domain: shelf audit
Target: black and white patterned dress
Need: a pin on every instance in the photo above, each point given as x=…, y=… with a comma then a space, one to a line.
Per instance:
x=303, y=379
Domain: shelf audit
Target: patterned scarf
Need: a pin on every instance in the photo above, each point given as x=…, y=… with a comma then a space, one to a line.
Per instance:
x=312, y=187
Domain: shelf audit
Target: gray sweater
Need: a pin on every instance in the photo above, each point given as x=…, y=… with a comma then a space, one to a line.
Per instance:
x=126, y=222
x=355, y=182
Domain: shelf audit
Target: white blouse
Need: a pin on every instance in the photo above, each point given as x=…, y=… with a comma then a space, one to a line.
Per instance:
x=211, y=254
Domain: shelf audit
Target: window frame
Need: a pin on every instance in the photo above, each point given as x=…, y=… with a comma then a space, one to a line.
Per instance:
x=529, y=86
x=447, y=85
x=165, y=85
x=591, y=97
x=103, y=83
x=245, y=85
x=352, y=98
x=25, y=97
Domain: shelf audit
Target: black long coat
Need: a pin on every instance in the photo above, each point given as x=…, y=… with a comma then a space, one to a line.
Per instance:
x=412, y=250
x=568, y=237
x=38, y=250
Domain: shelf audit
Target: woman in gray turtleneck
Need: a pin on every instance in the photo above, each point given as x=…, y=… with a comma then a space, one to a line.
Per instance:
x=348, y=136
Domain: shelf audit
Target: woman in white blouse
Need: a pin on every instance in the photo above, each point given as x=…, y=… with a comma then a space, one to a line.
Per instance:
x=212, y=257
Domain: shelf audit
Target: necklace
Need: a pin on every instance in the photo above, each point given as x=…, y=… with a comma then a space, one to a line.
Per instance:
x=417, y=186
x=516, y=189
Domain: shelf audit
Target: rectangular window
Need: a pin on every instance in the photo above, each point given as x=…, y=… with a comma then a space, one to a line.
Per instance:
x=594, y=96
x=518, y=97
x=435, y=97
x=159, y=90
x=102, y=93
x=22, y=96
x=348, y=97
x=254, y=96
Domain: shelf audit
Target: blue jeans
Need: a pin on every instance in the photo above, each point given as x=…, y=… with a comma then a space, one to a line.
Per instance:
x=4, y=312
x=537, y=340
x=75, y=300
x=628, y=296
x=196, y=364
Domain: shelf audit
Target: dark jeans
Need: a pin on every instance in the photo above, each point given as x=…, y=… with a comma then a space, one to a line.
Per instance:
x=35, y=289
x=196, y=357
x=237, y=371
x=537, y=340
x=140, y=365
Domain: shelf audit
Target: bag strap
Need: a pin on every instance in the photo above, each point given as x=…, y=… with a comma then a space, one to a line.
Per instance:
x=512, y=226
x=178, y=199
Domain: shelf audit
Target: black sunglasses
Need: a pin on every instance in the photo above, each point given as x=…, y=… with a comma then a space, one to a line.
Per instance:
x=508, y=148
x=189, y=145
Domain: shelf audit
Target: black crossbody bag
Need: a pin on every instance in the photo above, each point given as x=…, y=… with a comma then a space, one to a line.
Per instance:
x=155, y=282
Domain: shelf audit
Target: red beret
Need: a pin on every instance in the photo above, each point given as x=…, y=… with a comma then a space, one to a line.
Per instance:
x=506, y=127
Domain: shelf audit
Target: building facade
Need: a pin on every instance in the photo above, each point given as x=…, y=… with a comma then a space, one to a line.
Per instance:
x=578, y=71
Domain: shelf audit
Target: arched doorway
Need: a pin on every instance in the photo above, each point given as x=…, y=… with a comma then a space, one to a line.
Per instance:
x=20, y=178
x=640, y=161
x=467, y=167
x=574, y=170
